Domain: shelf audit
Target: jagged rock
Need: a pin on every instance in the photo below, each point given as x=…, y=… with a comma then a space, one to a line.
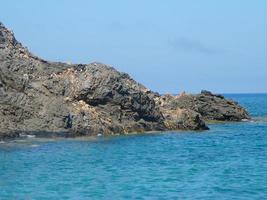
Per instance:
x=176, y=117
x=37, y=95
x=52, y=98
x=212, y=107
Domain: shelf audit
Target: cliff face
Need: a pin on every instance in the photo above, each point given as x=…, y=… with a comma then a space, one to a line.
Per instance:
x=67, y=100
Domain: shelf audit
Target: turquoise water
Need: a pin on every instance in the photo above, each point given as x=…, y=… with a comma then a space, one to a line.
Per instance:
x=227, y=162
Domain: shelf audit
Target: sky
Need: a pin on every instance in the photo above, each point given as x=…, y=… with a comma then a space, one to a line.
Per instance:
x=169, y=46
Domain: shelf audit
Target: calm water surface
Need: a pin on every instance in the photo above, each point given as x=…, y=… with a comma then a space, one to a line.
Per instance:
x=227, y=162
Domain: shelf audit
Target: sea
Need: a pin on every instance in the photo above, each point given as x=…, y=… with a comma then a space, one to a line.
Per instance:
x=229, y=161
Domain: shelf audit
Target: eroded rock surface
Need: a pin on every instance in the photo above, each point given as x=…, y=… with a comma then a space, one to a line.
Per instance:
x=68, y=100
x=211, y=107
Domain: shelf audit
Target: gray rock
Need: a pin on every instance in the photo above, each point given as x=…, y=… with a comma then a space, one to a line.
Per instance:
x=58, y=99
x=212, y=107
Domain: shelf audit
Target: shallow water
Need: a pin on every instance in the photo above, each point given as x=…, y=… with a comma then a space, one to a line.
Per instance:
x=227, y=162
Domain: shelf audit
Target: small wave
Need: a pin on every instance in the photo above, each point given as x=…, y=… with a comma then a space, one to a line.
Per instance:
x=35, y=145
x=2, y=142
x=30, y=136
x=23, y=135
x=258, y=119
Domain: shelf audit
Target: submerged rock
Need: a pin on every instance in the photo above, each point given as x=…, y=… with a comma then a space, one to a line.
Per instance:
x=42, y=97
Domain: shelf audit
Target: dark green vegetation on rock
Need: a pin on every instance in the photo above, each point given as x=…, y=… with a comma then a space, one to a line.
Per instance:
x=51, y=98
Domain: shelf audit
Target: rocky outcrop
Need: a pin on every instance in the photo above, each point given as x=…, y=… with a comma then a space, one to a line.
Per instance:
x=44, y=97
x=211, y=107
x=176, y=117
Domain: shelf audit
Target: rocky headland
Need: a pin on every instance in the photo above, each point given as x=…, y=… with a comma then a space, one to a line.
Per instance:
x=59, y=99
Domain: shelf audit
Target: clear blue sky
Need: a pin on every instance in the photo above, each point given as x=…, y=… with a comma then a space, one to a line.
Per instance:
x=169, y=46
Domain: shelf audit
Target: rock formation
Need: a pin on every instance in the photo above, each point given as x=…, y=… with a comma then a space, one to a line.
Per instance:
x=52, y=98
x=210, y=106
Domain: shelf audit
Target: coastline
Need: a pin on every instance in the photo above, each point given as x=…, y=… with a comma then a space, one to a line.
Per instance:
x=43, y=98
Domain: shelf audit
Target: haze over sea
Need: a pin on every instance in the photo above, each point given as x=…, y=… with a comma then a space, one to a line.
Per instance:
x=227, y=162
